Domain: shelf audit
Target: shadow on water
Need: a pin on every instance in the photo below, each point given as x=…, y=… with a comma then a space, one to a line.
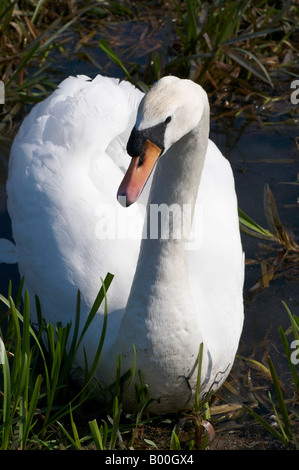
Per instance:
x=7, y=272
x=259, y=155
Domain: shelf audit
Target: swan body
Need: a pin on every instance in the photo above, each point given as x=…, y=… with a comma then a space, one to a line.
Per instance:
x=170, y=293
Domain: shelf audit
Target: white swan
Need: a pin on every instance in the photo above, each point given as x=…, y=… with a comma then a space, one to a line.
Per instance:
x=173, y=291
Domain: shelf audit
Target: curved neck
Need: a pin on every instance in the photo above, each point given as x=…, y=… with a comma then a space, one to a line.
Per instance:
x=161, y=281
x=175, y=185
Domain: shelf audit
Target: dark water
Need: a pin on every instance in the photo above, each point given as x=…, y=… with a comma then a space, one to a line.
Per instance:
x=259, y=155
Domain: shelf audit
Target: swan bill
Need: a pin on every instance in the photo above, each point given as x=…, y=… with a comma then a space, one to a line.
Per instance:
x=137, y=174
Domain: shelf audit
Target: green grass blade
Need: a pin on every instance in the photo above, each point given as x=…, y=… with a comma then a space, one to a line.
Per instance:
x=51, y=339
x=115, y=423
x=101, y=295
x=96, y=359
x=246, y=64
x=71, y=352
x=174, y=441
x=24, y=61
x=37, y=9
x=198, y=381
x=20, y=382
x=104, y=46
x=295, y=329
x=250, y=54
x=18, y=344
x=252, y=228
x=67, y=434
x=294, y=321
x=32, y=408
x=75, y=431
x=281, y=401
x=97, y=434
x=6, y=13
x=250, y=36
x=133, y=369
x=266, y=425
x=26, y=324
x=289, y=358
x=19, y=293
x=285, y=438
x=7, y=425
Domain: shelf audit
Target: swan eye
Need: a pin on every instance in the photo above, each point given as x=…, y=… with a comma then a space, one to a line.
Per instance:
x=167, y=120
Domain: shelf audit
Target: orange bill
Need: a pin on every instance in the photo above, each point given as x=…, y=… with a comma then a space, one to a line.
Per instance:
x=138, y=173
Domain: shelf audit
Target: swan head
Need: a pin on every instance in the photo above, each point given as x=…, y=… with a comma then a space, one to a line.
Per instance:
x=171, y=109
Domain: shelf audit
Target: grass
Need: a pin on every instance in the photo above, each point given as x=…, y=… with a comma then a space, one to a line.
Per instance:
x=228, y=47
x=41, y=407
x=286, y=412
x=38, y=396
x=241, y=52
x=38, y=366
x=242, y=48
x=223, y=38
x=22, y=45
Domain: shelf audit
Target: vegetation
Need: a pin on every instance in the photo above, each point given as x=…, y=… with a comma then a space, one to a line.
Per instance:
x=243, y=53
x=40, y=401
x=288, y=418
x=279, y=252
x=229, y=47
x=36, y=375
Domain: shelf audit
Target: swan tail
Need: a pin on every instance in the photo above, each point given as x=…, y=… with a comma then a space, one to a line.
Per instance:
x=8, y=252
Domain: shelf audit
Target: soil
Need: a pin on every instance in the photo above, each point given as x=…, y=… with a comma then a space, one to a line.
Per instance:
x=230, y=426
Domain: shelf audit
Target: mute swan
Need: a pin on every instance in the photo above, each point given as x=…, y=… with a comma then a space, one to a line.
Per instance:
x=172, y=290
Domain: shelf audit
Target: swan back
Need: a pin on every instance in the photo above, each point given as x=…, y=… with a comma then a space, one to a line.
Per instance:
x=65, y=165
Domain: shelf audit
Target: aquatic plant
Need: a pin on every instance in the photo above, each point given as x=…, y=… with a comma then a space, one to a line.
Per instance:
x=37, y=368
x=199, y=417
x=286, y=414
x=279, y=253
x=220, y=39
x=228, y=47
x=27, y=37
x=222, y=45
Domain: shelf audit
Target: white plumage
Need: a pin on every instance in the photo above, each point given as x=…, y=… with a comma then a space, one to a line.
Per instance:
x=167, y=296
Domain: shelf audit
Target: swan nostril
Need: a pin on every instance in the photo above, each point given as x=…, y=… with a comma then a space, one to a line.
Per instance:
x=141, y=158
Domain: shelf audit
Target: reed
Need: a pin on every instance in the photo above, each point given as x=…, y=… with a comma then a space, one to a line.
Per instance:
x=37, y=370
x=285, y=411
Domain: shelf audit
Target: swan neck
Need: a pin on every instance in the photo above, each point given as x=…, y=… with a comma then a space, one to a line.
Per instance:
x=176, y=181
x=161, y=281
